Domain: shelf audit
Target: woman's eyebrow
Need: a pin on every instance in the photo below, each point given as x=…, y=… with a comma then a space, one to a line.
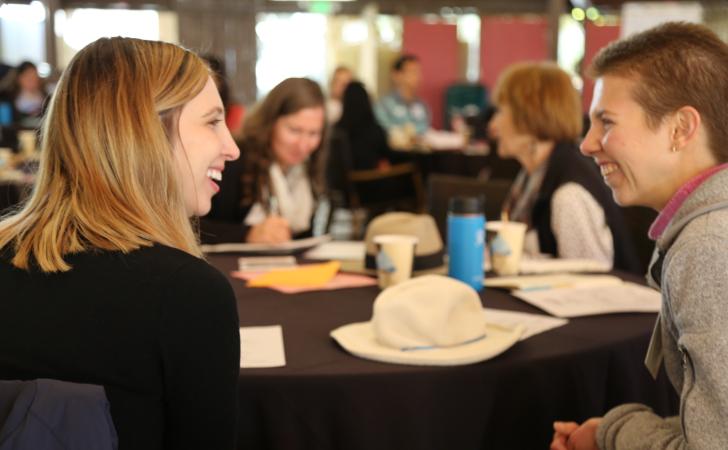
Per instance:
x=213, y=112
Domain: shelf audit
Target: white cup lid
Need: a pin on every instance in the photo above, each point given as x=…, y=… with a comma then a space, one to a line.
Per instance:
x=395, y=238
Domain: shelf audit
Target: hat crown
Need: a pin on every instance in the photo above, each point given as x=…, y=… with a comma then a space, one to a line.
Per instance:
x=429, y=253
x=421, y=226
x=428, y=311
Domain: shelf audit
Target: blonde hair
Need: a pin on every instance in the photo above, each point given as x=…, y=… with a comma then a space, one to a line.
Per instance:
x=107, y=178
x=542, y=99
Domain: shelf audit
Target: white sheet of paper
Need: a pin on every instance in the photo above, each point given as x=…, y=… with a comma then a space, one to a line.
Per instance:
x=538, y=282
x=262, y=347
x=561, y=265
x=284, y=247
x=575, y=302
x=534, y=323
x=338, y=250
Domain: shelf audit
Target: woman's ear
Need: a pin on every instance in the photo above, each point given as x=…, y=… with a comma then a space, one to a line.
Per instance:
x=686, y=125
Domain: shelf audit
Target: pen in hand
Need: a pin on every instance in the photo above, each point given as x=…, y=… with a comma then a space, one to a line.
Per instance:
x=274, y=229
x=273, y=206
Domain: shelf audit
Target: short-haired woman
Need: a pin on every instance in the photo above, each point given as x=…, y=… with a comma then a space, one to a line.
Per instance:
x=103, y=280
x=270, y=195
x=558, y=193
x=658, y=134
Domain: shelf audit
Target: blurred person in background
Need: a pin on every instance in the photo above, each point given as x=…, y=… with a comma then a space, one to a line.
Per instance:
x=403, y=114
x=366, y=139
x=234, y=112
x=271, y=193
x=25, y=91
x=339, y=80
x=558, y=192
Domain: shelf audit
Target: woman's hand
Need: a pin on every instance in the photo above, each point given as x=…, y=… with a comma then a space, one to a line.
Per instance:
x=562, y=431
x=572, y=436
x=273, y=230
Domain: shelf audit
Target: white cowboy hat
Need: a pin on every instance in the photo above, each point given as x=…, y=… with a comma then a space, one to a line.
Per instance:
x=430, y=320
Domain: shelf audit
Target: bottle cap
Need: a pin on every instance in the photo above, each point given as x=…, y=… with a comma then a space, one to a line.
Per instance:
x=467, y=205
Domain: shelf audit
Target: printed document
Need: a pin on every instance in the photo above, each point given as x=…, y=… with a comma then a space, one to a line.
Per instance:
x=533, y=323
x=587, y=301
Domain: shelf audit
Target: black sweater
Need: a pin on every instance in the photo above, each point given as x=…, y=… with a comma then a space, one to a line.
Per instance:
x=158, y=328
x=224, y=222
x=566, y=165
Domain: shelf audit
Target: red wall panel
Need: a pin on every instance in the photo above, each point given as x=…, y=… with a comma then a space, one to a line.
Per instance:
x=436, y=46
x=596, y=37
x=505, y=40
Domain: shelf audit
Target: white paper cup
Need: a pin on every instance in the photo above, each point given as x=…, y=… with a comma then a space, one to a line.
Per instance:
x=27, y=140
x=400, y=251
x=511, y=234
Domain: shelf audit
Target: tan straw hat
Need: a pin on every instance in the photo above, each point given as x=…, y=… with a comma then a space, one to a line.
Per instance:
x=429, y=320
x=429, y=253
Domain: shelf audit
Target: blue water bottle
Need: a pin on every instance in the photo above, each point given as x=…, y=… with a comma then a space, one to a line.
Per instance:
x=466, y=240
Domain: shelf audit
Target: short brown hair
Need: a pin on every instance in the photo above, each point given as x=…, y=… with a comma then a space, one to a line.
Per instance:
x=674, y=65
x=543, y=101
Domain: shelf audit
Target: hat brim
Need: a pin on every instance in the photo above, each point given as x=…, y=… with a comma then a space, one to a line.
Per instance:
x=359, y=339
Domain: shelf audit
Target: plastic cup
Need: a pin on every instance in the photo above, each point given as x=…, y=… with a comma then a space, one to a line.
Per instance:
x=395, y=254
x=27, y=139
x=506, y=247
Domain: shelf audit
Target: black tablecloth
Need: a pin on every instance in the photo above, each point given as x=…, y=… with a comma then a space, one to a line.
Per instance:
x=326, y=398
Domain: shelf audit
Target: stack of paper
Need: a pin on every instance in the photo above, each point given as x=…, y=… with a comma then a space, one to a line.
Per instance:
x=273, y=249
x=586, y=301
x=338, y=250
x=562, y=265
x=262, y=263
x=538, y=282
x=312, y=275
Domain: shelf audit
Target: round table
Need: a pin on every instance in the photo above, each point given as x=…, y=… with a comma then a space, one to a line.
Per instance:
x=325, y=398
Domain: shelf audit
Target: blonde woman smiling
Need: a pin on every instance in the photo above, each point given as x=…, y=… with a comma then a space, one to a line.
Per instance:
x=103, y=280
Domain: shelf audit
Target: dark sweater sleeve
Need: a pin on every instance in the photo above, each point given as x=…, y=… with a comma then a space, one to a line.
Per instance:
x=200, y=346
x=224, y=222
x=218, y=231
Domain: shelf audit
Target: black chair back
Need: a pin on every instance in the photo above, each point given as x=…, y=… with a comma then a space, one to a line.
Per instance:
x=440, y=188
x=638, y=220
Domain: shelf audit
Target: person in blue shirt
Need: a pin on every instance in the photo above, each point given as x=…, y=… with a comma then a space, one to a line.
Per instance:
x=402, y=113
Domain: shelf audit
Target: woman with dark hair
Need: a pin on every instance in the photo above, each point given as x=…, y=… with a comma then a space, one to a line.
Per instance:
x=26, y=93
x=269, y=195
x=234, y=112
x=358, y=126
